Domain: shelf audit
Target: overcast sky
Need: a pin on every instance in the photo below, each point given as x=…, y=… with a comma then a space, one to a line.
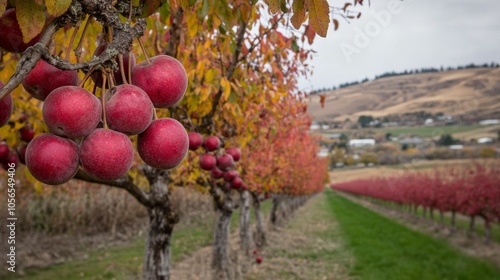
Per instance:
x=418, y=33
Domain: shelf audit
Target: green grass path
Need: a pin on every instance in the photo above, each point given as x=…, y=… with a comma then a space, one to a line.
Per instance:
x=384, y=249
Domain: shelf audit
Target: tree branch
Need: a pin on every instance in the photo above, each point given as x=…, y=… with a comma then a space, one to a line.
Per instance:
x=175, y=33
x=125, y=183
x=230, y=72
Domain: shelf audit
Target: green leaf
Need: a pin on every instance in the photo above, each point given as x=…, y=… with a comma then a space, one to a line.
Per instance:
x=319, y=16
x=3, y=5
x=56, y=8
x=31, y=18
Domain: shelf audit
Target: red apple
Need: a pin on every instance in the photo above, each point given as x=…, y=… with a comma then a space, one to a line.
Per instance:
x=225, y=162
x=164, y=144
x=258, y=259
x=11, y=37
x=216, y=173
x=230, y=175
x=211, y=143
x=21, y=153
x=27, y=134
x=51, y=159
x=106, y=154
x=6, y=106
x=195, y=140
x=164, y=80
x=207, y=162
x=129, y=110
x=45, y=78
x=234, y=152
x=71, y=111
x=4, y=151
x=236, y=183
x=11, y=162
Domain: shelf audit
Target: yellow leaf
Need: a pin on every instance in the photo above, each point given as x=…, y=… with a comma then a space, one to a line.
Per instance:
x=3, y=5
x=299, y=13
x=274, y=5
x=38, y=187
x=227, y=88
x=319, y=16
x=31, y=18
x=56, y=8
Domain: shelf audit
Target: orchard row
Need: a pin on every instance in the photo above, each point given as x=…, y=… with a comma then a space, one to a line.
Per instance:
x=472, y=191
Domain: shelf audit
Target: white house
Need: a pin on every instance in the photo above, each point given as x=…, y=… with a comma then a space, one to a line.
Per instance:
x=489, y=122
x=484, y=140
x=323, y=153
x=361, y=142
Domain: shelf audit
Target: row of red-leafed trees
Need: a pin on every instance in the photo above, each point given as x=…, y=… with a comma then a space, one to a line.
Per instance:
x=472, y=191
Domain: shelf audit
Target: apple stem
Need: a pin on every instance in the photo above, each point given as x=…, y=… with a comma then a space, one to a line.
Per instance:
x=78, y=49
x=103, y=100
x=129, y=68
x=109, y=33
x=155, y=116
x=87, y=75
x=122, y=70
x=72, y=40
x=143, y=50
x=130, y=8
x=111, y=79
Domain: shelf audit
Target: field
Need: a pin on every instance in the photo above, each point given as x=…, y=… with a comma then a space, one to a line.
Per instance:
x=465, y=132
x=462, y=92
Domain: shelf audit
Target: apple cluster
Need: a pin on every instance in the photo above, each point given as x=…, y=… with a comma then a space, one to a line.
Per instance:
x=220, y=162
x=78, y=121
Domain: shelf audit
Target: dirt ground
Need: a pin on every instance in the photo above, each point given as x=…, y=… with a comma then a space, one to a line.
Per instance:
x=299, y=250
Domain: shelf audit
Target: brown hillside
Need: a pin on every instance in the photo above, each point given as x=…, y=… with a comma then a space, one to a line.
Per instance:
x=470, y=93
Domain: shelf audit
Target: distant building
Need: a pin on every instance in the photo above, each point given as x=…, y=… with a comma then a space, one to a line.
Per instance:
x=361, y=142
x=411, y=141
x=484, y=140
x=314, y=126
x=489, y=122
x=332, y=136
x=429, y=122
x=456, y=147
x=325, y=126
x=323, y=153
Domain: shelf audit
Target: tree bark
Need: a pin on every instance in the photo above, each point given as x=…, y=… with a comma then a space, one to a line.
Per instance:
x=220, y=257
x=274, y=211
x=161, y=224
x=471, y=226
x=487, y=231
x=260, y=234
x=245, y=232
x=157, y=258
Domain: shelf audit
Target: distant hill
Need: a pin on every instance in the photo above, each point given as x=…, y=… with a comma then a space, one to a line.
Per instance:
x=468, y=93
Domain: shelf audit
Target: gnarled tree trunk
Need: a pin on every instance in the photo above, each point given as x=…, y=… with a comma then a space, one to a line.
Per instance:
x=260, y=234
x=157, y=258
x=161, y=224
x=274, y=210
x=220, y=254
x=220, y=257
x=245, y=232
